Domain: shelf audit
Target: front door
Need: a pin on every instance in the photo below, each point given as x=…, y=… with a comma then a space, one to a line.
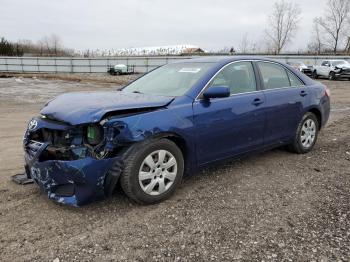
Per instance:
x=229, y=126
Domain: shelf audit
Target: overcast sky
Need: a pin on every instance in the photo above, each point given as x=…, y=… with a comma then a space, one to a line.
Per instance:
x=210, y=24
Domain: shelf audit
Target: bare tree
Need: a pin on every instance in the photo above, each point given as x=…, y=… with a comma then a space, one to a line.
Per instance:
x=283, y=24
x=316, y=44
x=333, y=22
x=56, y=43
x=51, y=44
x=46, y=45
x=41, y=45
x=347, y=48
x=244, y=44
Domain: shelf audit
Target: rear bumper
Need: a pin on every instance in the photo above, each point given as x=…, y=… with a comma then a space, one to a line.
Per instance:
x=325, y=110
x=75, y=182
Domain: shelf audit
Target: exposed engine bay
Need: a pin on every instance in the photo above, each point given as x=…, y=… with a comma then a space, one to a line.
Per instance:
x=71, y=143
x=74, y=142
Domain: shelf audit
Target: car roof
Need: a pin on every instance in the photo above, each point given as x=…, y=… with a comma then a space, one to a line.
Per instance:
x=225, y=59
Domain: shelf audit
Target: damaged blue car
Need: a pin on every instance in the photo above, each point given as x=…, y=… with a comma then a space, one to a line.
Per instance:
x=170, y=122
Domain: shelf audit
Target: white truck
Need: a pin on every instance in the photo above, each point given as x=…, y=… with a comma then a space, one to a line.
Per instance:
x=332, y=69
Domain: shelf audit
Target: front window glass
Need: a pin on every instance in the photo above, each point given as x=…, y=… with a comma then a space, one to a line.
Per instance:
x=170, y=80
x=274, y=76
x=238, y=77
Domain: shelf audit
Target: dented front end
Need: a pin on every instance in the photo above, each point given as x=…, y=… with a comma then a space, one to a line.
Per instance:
x=77, y=157
x=72, y=163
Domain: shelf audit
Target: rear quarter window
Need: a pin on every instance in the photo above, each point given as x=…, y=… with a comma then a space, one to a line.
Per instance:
x=294, y=80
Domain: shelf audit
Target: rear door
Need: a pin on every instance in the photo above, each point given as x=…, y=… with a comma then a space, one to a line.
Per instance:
x=286, y=97
x=229, y=126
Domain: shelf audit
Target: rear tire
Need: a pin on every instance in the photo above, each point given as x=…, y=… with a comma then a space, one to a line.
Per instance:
x=152, y=171
x=306, y=135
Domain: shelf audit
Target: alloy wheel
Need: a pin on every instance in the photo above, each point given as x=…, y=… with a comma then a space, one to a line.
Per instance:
x=308, y=133
x=157, y=172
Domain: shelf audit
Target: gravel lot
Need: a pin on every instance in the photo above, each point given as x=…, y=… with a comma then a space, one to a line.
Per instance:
x=275, y=206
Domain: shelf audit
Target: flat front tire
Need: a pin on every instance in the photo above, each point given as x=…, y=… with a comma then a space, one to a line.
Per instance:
x=152, y=171
x=306, y=135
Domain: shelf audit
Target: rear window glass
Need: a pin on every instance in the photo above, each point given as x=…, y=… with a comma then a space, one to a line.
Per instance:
x=274, y=76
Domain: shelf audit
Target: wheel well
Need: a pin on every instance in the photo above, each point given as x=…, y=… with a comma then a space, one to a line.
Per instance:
x=180, y=142
x=318, y=115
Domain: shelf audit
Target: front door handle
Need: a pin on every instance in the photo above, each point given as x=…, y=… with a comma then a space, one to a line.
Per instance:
x=257, y=102
x=303, y=93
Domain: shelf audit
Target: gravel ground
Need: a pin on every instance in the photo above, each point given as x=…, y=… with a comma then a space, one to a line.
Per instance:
x=275, y=206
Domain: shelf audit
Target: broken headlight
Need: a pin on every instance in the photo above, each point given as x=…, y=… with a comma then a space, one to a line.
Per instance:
x=94, y=134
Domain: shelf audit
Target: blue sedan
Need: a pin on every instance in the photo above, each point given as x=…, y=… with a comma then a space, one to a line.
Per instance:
x=170, y=122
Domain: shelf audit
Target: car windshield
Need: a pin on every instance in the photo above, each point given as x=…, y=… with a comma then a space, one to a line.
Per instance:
x=336, y=63
x=169, y=80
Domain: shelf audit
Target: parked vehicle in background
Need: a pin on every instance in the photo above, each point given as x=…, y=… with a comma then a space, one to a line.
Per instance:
x=170, y=122
x=332, y=69
x=307, y=70
x=121, y=69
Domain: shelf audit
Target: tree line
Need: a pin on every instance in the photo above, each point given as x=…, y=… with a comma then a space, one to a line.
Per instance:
x=46, y=46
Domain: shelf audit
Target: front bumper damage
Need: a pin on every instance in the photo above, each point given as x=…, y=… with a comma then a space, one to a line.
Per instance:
x=342, y=73
x=75, y=181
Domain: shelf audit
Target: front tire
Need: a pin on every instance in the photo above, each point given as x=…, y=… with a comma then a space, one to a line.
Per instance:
x=332, y=76
x=306, y=135
x=152, y=171
x=314, y=74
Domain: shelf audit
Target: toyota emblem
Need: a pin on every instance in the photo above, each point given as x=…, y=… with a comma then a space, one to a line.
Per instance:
x=32, y=124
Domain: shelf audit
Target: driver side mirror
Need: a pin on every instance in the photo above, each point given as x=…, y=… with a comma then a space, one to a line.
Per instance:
x=216, y=92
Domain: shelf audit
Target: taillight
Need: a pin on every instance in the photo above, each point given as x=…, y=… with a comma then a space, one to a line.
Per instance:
x=327, y=92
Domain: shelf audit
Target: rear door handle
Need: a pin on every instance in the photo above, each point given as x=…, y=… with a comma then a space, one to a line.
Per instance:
x=257, y=102
x=303, y=93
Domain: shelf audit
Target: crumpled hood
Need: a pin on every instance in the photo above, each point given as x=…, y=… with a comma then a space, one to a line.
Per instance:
x=88, y=107
x=343, y=66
